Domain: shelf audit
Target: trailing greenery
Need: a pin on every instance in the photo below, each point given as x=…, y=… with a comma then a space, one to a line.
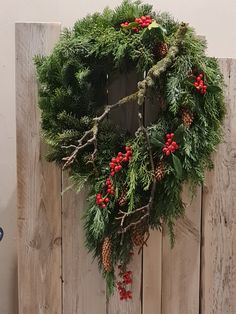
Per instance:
x=73, y=91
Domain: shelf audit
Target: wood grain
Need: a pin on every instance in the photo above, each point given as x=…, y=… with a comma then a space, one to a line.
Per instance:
x=126, y=117
x=181, y=265
x=219, y=218
x=152, y=274
x=39, y=183
x=83, y=285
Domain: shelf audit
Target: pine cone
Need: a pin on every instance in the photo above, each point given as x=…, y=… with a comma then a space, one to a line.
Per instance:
x=122, y=200
x=160, y=171
x=138, y=234
x=106, y=255
x=187, y=117
x=161, y=50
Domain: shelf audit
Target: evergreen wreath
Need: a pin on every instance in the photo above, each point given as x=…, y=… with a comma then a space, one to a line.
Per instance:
x=135, y=180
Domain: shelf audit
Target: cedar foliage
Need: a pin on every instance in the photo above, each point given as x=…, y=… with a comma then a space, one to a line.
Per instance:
x=73, y=84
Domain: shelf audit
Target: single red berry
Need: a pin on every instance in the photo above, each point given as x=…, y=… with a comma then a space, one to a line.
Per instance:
x=112, y=165
x=164, y=150
x=168, y=136
x=106, y=200
x=168, y=153
x=172, y=135
x=103, y=206
x=125, y=159
x=196, y=84
x=169, y=140
x=109, y=191
x=143, y=18
x=112, y=173
x=198, y=78
x=117, y=168
x=120, y=154
x=201, y=75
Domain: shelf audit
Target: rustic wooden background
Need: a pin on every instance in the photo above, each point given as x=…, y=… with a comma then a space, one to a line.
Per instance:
x=57, y=276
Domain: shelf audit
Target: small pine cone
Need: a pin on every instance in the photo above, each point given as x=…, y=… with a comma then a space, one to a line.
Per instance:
x=138, y=234
x=162, y=50
x=106, y=255
x=160, y=171
x=187, y=117
x=122, y=200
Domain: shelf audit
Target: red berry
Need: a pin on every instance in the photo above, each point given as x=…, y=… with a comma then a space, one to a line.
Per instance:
x=100, y=201
x=112, y=165
x=125, y=159
x=201, y=75
x=172, y=135
x=174, y=144
x=120, y=158
x=143, y=18
x=103, y=206
x=196, y=84
x=112, y=173
x=120, y=167
x=119, y=154
x=117, y=168
x=169, y=140
x=168, y=153
x=164, y=150
x=198, y=78
x=168, y=135
x=106, y=200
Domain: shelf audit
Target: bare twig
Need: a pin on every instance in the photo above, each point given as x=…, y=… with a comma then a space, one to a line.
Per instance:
x=93, y=132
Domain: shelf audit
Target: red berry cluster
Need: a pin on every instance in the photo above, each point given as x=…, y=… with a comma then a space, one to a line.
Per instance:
x=199, y=84
x=122, y=285
x=102, y=201
x=170, y=145
x=115, y=164
x=143, y=21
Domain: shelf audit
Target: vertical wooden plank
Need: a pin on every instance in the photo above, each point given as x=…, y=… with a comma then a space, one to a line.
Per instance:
x=38, y=211
x=126, y=117
x=219, y=218
x=152, y=254
x=181, y=265
x=83, y=285
x=152, y=274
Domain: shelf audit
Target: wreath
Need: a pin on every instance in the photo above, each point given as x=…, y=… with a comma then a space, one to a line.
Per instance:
x=135, y=180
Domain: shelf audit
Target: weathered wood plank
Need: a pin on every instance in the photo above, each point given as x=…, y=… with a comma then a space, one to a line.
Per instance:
x=152, y=254
x=219, y=218
x=38, y=210
x=126, y=117
x=83, y=285
x=181, y=265
x=152, y=274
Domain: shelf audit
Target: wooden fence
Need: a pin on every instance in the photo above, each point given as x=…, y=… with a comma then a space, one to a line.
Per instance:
x=57, y=276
